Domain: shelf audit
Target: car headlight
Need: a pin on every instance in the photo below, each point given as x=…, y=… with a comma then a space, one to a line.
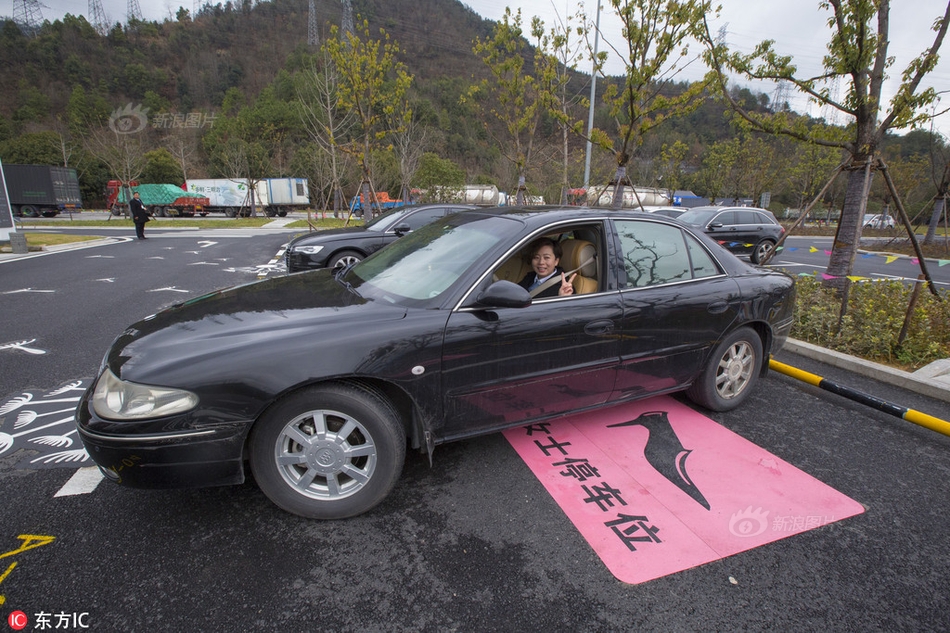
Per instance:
x=307, y=250
x=116, y=399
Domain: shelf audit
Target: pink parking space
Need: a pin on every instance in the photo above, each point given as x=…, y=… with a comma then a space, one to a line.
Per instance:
x=656, y=488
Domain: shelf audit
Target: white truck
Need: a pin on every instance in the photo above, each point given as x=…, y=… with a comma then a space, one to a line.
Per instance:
x=286, y=194
x=633, y=197
x=229, y=196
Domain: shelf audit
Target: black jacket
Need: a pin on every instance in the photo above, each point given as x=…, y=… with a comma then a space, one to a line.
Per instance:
x=139, y=214
x=552, y=291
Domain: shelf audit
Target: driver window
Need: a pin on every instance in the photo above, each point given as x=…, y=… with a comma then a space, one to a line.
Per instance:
x=579, y=250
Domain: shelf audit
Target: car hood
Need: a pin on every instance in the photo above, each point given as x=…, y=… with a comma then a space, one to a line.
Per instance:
x=230, y=328
x=333, y=234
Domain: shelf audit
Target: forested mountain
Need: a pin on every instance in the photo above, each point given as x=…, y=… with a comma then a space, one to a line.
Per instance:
x=234, y=59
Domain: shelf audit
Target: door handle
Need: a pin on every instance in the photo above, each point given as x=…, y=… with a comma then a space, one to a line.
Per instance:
x=599, y=328
x=717, y=307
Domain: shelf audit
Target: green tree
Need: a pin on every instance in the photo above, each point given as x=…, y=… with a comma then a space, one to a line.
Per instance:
x=657, y=34
x=161, y=167
x=858, y=54
x=556, y=55
x=40, y=148
x=512, y=98
x=372, y=83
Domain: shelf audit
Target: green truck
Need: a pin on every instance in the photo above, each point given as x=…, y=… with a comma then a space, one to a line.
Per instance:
x=162, y=200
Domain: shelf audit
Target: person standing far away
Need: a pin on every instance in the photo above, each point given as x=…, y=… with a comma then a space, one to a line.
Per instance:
x=139, y=215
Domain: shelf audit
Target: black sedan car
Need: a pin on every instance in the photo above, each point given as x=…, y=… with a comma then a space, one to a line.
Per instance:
x=741, y=230
x=336, y=248
x=320, y=380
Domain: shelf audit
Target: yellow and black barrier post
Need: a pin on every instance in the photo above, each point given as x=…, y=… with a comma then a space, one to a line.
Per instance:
x=928, y=421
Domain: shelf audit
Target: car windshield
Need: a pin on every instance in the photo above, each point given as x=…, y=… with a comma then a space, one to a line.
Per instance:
x=424, y=264
x=697, y=217
x=382, y=223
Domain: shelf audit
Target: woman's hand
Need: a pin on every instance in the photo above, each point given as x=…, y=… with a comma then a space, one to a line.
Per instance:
x=566, y=287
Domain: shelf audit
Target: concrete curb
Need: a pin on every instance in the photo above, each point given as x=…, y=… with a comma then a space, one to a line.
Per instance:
x=932, y=380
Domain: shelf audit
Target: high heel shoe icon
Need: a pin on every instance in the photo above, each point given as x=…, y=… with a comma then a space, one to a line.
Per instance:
x=666, y=453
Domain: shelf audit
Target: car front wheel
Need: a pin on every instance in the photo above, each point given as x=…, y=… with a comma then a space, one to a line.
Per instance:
x=344, y=259
x=761, y=251
x=328, y=452
x=731, y=372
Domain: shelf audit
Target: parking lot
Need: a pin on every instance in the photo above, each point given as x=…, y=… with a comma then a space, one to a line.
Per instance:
x=473, y=542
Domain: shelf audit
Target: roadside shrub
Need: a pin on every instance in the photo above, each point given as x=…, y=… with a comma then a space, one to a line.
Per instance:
x=871, y=327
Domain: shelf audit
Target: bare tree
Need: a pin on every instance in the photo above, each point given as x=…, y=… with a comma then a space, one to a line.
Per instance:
x=123, y=153
x=857, y=51
x=327, y=122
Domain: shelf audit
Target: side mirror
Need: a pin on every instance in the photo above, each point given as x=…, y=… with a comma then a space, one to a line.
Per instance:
x=402, y=229
x=504, y=294
x=715, y=225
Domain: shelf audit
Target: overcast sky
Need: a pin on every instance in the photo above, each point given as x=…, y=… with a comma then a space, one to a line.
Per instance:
x=799, y=28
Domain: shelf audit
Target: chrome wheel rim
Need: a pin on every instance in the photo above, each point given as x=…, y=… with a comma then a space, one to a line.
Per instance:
x=735, y=370
x=346, y=261
x=325, y=455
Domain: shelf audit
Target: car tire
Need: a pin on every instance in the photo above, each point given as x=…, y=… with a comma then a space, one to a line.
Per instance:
x=344, y=259
x=328, y=452
x=29, y=211
x=761, y=251
x=730, y=373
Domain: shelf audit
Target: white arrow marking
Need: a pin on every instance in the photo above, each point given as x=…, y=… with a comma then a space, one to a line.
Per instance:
x=206, y=243
x=170, y=289
x=24, y=290
x=21, y=345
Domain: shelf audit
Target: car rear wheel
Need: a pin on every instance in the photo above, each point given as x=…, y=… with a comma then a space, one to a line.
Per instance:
x=344, y=259
x=731, y=372
x=761, y=251
x=328, y=452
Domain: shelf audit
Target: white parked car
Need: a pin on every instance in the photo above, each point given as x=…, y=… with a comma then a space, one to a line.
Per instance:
x=872, y=221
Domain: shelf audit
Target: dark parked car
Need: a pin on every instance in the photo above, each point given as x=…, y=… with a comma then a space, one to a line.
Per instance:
x=337, y=248
x=742, y=230
x=320, y=379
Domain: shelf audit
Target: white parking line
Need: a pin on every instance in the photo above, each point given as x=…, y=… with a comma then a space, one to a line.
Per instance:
x=83, y=482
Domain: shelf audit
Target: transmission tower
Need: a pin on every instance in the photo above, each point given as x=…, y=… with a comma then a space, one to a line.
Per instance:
x=98, y=17
x=347, y=25
x=135, y=11
x=313, y=37
x=28, y=15
x=780, y=96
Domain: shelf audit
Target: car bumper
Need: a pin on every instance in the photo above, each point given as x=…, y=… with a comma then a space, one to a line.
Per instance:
x=300, y=261
x=184, y=458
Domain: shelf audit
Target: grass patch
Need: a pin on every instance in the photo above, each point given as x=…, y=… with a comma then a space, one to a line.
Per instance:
x=872, y=324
